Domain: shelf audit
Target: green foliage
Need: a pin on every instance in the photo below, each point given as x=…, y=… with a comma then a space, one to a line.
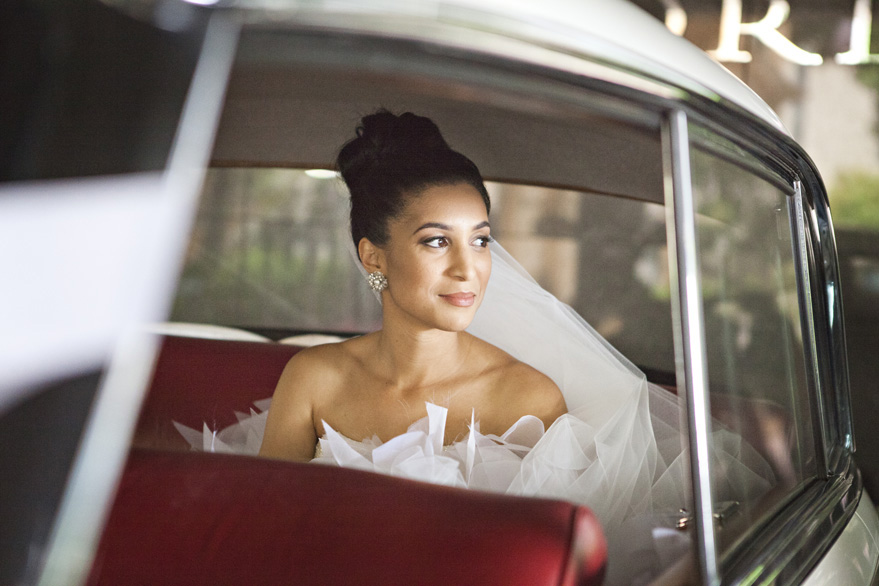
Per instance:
x=854, y=200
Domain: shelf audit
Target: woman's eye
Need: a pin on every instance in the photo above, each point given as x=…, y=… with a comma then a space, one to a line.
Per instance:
x=436, y=242
x=483, y=241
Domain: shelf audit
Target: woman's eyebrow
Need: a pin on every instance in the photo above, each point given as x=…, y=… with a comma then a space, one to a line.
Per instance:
x=427, y=225
x=441, y=226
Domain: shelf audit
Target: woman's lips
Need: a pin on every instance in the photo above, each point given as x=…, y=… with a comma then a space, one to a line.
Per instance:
x=460, y=299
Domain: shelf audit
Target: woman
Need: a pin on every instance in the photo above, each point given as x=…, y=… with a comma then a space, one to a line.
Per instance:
x=419, y=220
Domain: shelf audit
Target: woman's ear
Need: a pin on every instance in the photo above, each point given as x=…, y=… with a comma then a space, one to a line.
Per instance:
x=371, y=256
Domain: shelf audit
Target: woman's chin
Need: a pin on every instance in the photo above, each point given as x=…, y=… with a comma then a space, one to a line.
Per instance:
x=457, y=322
x=459, y=325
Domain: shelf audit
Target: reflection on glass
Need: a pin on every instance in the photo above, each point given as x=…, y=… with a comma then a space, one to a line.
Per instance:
x=271, y=251
x=605, y=256
x=754, y=339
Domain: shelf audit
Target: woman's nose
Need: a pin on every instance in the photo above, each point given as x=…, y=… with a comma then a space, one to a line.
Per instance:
x=463, y=263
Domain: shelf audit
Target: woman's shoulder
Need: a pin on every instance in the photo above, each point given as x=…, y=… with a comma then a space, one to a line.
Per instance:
x=525, y=382
x=350, y=349
x=507, y=367
x=325, y=361
x=522, y=387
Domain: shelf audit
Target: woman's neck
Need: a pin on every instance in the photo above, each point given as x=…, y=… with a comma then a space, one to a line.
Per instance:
x=416, y=359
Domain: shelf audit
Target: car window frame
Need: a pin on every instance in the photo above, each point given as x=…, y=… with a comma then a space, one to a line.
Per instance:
x=789, y=544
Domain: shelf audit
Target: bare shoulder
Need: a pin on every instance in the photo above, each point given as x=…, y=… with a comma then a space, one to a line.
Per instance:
x=312, y=377
x=523, y=389
x=535, y=392
x=320, y=367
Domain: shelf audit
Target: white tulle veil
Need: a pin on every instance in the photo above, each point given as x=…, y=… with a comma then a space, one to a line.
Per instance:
x=605, y=394
x=605, y=452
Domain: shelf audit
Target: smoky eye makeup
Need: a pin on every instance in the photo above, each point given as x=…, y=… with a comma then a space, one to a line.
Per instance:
x=435, y=241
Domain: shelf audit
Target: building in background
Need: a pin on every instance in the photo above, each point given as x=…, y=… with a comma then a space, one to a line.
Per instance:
x=816, y=62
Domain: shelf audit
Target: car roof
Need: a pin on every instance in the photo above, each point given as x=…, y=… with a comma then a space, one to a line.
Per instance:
x=614, y=32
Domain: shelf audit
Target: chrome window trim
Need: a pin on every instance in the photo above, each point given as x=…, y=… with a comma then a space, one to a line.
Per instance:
x=804, y=266
x=832, y=341
x=787, y=548
x=689, y=331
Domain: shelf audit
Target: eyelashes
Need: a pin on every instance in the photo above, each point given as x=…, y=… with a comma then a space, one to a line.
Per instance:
x=443, y=241
x=436, y=242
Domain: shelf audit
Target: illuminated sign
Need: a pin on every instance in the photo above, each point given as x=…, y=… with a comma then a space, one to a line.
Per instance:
x=765, y=30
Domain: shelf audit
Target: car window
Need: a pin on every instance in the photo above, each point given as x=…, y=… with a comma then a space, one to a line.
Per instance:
x=271, y=252
x=755, y=343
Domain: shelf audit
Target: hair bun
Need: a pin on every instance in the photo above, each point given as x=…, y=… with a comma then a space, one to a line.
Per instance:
x=389, y=134
x=391, y=158
x=387, y=142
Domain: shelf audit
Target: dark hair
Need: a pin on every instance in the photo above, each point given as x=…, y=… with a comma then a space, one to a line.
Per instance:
x=394, y=158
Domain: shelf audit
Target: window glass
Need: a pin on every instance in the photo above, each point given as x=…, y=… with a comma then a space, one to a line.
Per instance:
x=271, y=252
x=753, y=334
x=271, y=249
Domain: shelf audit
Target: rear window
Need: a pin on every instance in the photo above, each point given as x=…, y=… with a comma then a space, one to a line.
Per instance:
x=271, y=252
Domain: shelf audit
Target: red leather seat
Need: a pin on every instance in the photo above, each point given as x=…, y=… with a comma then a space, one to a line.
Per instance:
x=198, y=381
x=207, y=519
x=194, y=518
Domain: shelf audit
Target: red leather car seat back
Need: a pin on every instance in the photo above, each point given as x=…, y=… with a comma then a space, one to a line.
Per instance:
x=207, y=519
x=199, y=380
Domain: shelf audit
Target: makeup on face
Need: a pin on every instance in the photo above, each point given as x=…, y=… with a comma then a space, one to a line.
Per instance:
x=437, y=257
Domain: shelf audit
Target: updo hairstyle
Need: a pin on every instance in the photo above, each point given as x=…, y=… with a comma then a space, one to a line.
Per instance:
x=392, y=159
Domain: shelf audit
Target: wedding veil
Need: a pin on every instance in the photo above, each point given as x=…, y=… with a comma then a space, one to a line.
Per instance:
x=620, y=450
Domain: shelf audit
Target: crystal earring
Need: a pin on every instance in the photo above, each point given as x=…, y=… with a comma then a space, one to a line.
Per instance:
x=378, y=281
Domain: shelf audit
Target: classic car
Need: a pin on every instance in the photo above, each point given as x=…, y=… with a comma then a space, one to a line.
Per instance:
x=173, y=232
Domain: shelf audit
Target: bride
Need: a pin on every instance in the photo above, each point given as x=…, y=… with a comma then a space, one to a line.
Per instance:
x=521, y=396
x=419, y=220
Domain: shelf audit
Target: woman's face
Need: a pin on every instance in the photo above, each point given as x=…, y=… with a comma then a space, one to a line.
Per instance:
x=437, y=259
